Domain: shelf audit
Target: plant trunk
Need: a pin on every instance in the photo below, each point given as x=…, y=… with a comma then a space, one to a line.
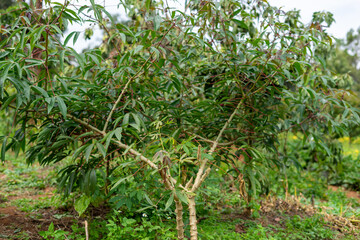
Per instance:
x=192, y=219
x=36, y=53
x=179, y=218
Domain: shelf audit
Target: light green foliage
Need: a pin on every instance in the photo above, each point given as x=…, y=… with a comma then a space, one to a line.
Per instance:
x=29, y=205
x=81, y=204
x=122, y=227
x=54, y=234
x=296, y=228
x=17, y=176
x=309, y=228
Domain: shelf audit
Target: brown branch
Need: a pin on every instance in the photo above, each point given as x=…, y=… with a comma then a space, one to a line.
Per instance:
x=169, y=182
x=123, y=91
x=86, y=124
x=200, y=177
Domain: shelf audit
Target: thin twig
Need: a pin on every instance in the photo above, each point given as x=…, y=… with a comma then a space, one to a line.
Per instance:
x=130, y=80
x=170, y=181
x=199, y=176
x=123, y=91
x=86, y=230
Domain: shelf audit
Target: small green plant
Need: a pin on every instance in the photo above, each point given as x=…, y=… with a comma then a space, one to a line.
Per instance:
x=129, y=228
x=257, y=233
x=53, y=234
x=213, y=227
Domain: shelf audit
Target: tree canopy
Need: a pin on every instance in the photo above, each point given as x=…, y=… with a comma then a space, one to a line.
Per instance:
x=169, y=93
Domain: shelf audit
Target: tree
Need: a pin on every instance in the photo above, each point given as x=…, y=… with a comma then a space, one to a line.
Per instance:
x=181, y=91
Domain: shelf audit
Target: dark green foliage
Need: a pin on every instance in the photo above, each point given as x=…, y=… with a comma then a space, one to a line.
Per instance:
x=4, y=4
x=243, y=72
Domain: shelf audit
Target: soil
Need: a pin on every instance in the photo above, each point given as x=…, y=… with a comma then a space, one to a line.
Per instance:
x=17, y=224
x=13, y=221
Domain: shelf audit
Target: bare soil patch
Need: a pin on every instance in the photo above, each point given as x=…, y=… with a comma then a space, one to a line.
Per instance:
x=13, y=221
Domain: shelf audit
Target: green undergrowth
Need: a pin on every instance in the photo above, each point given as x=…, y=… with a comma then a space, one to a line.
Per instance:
x=19, y=178
x=216, y=226
x=221, y=213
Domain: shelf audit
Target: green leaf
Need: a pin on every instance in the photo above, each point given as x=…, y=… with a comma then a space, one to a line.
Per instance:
x=40, y=90
x=51, y=103
x=4, y=76
x=235, y=13
x=169, y=201
x=157, y=22
x=77, y=34
x=101, y=148
x=62, y=106
x=137, y=49
x=126, y=119
x=67, y=39
x=57, y=29
x=149, y=200
x=241, y=24
x=79, y=150
x=7, y=102
x=79, y=58
x=4, y=54
x=120, y=181
x=82, y=204
x=108, y=138
x=345, y=113
x=51, y=227
x=108, y=15
x=181, y=196
x=85, y=135
x=88, y=152
x=61, y=58
x=92, y=181
x=118, y=133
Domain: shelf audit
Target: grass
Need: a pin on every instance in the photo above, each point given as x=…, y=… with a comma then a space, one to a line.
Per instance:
x=31, y=189
x=350, y=148
x=274, y=226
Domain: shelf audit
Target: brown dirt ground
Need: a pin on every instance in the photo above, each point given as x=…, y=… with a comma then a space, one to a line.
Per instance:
x=16, y=224
x=13, y=221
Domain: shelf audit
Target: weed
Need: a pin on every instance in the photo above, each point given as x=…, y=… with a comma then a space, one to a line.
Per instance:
x=53, y=234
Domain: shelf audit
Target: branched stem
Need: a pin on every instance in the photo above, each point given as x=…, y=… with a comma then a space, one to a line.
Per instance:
x=130, y=80
x=123, y=91
x=199, y=176
x=170, y=182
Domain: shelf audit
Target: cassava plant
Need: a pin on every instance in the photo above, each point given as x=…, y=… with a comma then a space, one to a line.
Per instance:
x=175, y=92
